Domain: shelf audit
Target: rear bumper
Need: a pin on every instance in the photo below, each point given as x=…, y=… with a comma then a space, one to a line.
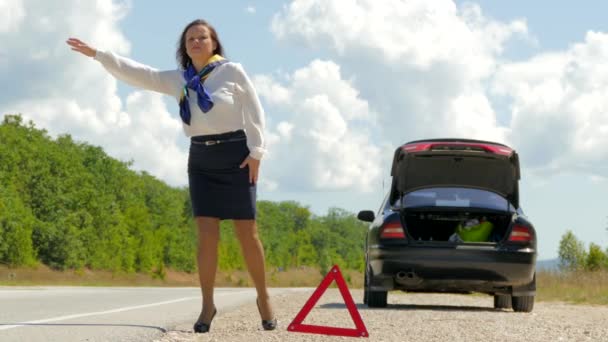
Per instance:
x=477, y=268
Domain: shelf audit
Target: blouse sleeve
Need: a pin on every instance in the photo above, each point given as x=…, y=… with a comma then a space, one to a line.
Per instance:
x=140, y=75
x=253, y=113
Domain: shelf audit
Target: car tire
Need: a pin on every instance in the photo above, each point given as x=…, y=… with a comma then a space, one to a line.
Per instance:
x=365, y=289
x=373, y=299
x=366, y=283
x=502, y=302
x=377, y=299
x=523, y=303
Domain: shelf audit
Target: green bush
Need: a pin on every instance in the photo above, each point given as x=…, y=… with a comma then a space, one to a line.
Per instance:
x=69, y=205
x=573, y=257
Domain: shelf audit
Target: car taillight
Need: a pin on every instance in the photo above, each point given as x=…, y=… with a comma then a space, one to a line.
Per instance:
x=520, y=234
x=392, y=230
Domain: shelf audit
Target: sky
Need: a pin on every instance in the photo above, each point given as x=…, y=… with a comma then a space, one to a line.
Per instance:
x=343, y=83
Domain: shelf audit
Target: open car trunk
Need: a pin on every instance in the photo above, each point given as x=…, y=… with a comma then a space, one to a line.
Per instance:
x=455, y=168
x=451, y=225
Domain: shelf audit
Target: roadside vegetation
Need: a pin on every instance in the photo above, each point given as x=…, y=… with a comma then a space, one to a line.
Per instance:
x=42, y=275
x=582, y=276
x=581, y=287
x=67, y=205
x=72, y=215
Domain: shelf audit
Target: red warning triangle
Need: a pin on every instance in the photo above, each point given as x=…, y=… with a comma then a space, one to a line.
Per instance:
x=334, y=274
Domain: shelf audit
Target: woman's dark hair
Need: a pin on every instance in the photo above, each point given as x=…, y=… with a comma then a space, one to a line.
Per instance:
x=182, y=57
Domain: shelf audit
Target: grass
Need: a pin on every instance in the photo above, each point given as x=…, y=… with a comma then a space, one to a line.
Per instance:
x=571, y=287
x=43, y=275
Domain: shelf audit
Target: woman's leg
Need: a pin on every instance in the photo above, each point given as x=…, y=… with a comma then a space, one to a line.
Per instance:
x=208, y=239
x=253, y=253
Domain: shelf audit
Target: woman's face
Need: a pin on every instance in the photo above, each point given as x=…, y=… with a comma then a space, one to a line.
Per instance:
x=199, y=44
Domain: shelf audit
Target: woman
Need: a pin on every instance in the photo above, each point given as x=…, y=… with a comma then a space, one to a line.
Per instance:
x=222, y=115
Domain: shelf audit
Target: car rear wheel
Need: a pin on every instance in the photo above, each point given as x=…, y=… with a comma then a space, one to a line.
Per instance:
x=523, y=303
x=373, y=299
x=502, y=302
x=365, y=289
x=377, y=299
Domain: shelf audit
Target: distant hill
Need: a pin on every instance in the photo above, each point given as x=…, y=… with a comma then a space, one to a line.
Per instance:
x=547, y=265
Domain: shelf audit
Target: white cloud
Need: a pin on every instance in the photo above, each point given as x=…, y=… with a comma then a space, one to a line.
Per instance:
x=559, y=106
x=66, y=92
x=321, y=140
x=265, y=84
x=250, y=9
x=433, y=69
x=12, y=15
x=154, y=137
x=410, y=33
x=285, y=129
x=422, y=64
x=399, y=71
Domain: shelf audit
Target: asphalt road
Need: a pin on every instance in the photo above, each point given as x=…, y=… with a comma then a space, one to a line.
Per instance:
x=106, y=314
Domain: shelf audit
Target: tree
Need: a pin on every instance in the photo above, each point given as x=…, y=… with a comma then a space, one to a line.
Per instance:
x=16, y=223
x=69, y=205
x=571, y=253
x=596, y=259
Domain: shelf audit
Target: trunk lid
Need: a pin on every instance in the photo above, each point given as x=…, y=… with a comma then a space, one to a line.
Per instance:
x=457, y=163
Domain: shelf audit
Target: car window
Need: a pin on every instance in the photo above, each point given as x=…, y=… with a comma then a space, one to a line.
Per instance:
x=455, y=197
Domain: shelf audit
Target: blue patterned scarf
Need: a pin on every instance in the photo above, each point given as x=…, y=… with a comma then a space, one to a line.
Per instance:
x=195, y=82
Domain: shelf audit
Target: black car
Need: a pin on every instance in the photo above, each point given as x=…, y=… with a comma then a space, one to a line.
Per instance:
x=452, y=223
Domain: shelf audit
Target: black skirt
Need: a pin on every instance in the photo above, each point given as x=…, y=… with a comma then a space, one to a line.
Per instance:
x=218, y=186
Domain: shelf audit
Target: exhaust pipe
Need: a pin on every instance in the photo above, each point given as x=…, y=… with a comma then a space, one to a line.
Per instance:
x=407, y=278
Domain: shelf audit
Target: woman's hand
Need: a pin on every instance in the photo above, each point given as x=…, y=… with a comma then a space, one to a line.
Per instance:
x=82, y=47
x=254, y=167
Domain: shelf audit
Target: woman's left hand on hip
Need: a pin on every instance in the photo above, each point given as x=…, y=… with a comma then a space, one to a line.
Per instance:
x=254, y=166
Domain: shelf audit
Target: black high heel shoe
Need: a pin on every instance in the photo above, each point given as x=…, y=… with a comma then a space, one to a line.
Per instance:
x=267, y=324
x=200, y=327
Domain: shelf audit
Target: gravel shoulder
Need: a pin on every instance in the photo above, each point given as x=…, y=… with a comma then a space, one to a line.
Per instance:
x=417, y=317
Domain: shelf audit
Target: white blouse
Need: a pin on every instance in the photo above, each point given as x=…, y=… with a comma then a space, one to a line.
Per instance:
x=235, y=101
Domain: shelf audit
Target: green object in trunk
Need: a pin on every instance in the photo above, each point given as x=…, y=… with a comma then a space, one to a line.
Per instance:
x=479, y=232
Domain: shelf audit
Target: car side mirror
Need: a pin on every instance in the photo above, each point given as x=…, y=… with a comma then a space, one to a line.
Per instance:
x=366, y=215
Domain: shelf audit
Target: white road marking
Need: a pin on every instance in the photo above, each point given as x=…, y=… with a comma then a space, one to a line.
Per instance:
x=63, y=318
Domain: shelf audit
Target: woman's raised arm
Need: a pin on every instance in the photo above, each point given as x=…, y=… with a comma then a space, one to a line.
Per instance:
x=136, y=74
